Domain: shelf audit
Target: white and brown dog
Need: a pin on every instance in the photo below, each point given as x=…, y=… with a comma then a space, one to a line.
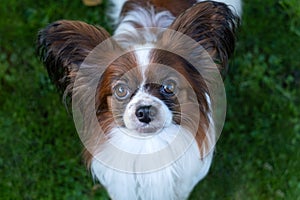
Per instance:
x=145, y=99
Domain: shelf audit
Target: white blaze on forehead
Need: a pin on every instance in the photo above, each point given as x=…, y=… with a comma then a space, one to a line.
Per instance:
x=143, y=56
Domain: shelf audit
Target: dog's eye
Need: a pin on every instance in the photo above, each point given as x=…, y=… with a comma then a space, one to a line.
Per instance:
x=169, y=87
x=121, y=91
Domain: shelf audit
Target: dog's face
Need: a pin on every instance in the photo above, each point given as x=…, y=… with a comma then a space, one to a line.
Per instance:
x=139, y=108
x=147, y=97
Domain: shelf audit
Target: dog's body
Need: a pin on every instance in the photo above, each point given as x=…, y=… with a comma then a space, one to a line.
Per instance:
x=155, y=129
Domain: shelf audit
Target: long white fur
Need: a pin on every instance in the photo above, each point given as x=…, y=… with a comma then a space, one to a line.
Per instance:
x=173, y=182
x=146, y=18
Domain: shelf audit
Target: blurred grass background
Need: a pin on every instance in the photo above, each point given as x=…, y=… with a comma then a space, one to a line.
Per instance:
x=257, y=156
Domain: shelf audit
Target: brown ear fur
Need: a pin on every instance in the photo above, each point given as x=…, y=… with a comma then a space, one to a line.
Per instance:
x=212, y=25
x=63, y=46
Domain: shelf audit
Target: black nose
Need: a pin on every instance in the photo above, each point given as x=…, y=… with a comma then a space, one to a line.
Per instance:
x=145, y=114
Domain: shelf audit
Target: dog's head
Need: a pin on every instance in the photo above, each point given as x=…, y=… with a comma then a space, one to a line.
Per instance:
x=146, y=88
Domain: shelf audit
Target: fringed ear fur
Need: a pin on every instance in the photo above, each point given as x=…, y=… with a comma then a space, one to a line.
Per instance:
x=63, y=46
x=213, y=26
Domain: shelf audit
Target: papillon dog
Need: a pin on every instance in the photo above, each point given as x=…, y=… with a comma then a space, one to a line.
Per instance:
x=148, y=101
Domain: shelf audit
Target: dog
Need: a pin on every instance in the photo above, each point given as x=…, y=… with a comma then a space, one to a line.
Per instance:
x=148, y=101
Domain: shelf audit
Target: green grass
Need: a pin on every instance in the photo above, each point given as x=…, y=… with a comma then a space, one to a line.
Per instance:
x=257, y=156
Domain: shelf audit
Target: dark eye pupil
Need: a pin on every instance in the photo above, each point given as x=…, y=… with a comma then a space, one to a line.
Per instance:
x=169, y=88
x=121, y=91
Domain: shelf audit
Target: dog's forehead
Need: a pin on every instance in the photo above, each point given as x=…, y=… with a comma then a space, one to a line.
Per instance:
x=147, y=66
x=156, y=64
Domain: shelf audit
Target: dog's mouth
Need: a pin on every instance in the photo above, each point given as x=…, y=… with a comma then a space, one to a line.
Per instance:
x=148, y=129
x=142, y=131
x=138, y=128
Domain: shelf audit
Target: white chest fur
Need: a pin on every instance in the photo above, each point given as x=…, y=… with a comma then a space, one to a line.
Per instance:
x=173, y=182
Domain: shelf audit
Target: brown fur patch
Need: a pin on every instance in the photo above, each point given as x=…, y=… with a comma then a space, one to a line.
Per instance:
x=213, y=26
x=189, y=83
x=63, y=46
x=109, y=110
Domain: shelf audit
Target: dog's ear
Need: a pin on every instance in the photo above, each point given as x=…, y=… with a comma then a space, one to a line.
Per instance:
x=63, y=46
x=213, y=26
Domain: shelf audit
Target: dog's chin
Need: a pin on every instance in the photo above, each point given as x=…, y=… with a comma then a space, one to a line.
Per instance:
x=144, y=130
